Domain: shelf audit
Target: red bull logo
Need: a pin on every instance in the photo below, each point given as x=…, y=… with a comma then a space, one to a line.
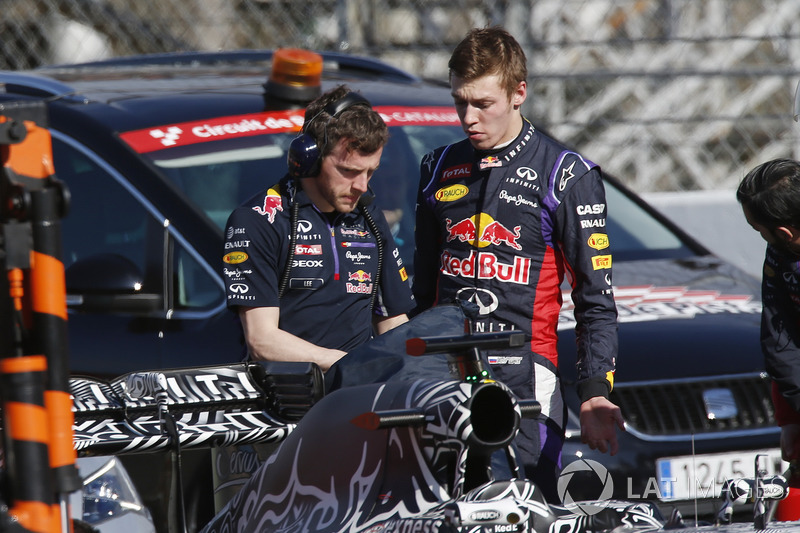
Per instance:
x=464, y=231
x=490, y=162
x=354, y=232
x=486, y=229
x=358, y=288
x=272, y=204
x=487, y=266
x=360, y=276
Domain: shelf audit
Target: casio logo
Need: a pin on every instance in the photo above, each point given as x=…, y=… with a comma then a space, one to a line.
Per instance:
x=594, y=209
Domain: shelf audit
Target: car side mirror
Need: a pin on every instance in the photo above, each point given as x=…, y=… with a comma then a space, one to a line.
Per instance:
x=108, y=283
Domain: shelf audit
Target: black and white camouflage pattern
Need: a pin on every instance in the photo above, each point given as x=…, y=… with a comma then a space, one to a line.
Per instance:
x=334, y=475
x=212, y=406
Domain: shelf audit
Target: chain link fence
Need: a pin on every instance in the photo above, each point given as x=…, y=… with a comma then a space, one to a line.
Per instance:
x=669, y=95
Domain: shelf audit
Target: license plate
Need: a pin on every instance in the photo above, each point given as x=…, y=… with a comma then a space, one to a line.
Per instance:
x=701, y=476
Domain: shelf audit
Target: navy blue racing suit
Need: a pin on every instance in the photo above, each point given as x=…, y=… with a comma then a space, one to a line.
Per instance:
x=502, y=229
x=335, y=263
x=780, y=330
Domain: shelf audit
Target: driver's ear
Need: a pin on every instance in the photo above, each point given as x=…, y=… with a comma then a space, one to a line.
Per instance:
x=787, y=233
x=519, y=94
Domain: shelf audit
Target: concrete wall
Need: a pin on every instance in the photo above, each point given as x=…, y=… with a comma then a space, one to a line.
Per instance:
x=715, y=219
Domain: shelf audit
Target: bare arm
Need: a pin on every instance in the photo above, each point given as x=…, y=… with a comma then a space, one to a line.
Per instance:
x=265, y=340
x=385, y=323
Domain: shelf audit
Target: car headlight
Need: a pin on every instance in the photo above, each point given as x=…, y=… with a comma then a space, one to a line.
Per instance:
x=109, y=493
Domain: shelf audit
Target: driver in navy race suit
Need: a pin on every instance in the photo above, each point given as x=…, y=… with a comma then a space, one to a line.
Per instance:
x=502, y=217
x=770, y=198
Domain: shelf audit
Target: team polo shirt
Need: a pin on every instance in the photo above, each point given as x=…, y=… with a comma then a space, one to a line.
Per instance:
x=334, y=267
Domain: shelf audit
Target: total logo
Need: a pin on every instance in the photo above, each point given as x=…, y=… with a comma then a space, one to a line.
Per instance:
x=308, y=249
x=481, y=230
x=460, y=171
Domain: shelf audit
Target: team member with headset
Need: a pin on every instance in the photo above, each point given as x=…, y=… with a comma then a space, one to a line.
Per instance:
x=310, y=264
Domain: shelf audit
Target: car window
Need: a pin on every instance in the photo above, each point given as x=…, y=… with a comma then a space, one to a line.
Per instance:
x=195, y=288
x=103, y=218
x=635, y=234
x=217, y=176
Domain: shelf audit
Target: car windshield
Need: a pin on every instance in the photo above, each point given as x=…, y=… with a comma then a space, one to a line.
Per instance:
x=218, y=175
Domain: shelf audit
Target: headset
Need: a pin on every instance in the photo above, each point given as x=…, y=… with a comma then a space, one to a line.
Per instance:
x=303, y=160
x=303, y=157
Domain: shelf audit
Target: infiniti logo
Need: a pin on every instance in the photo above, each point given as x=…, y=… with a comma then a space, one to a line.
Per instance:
x=486, y=300
x=304, y=226
x=241, y=288
x=527, y=172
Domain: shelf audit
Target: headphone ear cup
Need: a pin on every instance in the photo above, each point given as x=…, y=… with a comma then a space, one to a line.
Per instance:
x=303, y=156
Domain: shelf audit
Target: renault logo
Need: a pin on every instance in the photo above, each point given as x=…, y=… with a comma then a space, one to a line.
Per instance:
x=719, y=404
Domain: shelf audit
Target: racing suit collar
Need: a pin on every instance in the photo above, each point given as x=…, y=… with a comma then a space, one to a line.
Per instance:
x=497, y=156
